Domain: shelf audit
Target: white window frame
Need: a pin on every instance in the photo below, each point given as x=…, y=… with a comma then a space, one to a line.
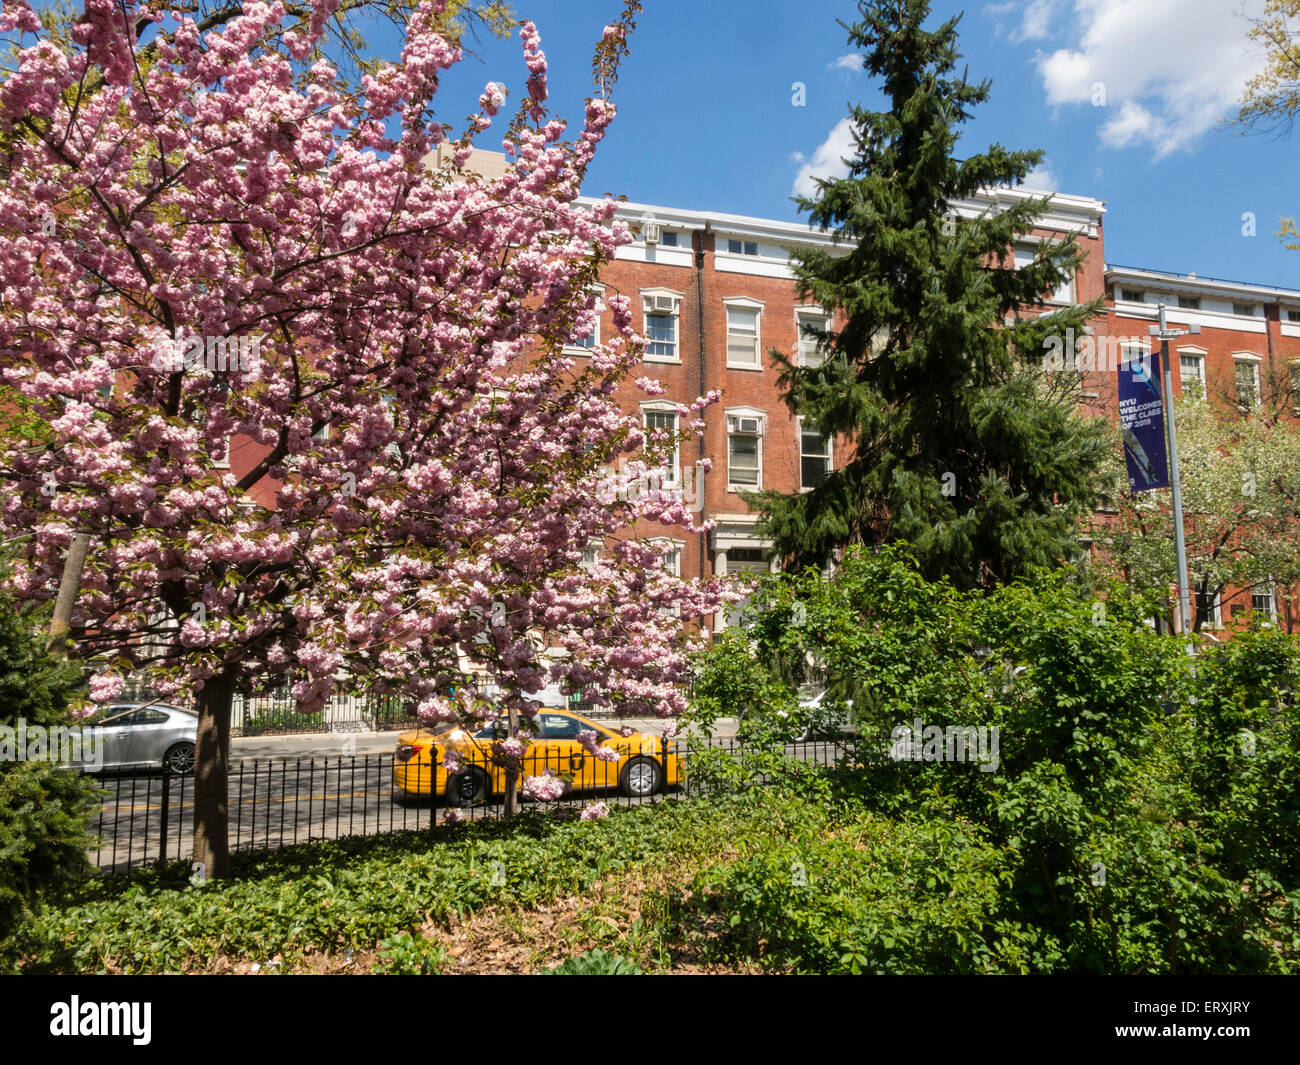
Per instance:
x=664, y=407
x=581, y=349
x=1247, y=358
x=800, y=315
x=593, y=549
x=1270, y=589
x=744, y=303
x=670, y=552
x=1215, y=619
x=734, y=414
x=1199, y=354
x=648, y=298
x=829, y=456
x=1022, y=254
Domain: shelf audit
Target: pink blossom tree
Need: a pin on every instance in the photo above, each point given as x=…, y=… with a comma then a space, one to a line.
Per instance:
x=305, y=393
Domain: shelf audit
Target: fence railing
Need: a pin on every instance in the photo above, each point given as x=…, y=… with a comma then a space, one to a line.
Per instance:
x=147, y=817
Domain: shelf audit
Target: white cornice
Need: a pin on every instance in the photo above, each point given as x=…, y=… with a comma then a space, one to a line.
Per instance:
x=1065, y=213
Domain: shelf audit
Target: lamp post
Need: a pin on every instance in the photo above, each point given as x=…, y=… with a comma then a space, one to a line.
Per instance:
x=1165, y=334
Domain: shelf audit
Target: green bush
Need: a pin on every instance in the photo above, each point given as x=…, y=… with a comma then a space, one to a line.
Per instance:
x=44, y=811
x=407, y=955
x=1134, y=833
x=595, y=962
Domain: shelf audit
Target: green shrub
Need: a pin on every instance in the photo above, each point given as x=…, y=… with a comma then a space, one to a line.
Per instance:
x=44, y=811
x=407, y=955
x=595, y=962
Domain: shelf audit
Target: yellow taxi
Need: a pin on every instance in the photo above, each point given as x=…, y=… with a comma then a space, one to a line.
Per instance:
x=638, y=772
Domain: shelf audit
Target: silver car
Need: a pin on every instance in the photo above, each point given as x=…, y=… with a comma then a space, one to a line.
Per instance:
x=142, y=736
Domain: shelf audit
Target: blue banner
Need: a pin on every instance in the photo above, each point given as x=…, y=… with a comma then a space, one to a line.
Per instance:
x=1142, y=423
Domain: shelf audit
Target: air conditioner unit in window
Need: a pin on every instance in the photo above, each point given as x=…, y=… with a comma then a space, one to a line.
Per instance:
x=650, y=232
x=747, y=425
x=664, y=303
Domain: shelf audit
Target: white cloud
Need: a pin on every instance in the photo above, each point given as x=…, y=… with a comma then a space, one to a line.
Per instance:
x=1169, y=69
x=852, y=61
x=1033, y=17
x=827, y=161
x=1042, y=179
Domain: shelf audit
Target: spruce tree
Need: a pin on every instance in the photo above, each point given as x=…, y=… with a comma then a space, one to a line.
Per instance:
x=961, y=448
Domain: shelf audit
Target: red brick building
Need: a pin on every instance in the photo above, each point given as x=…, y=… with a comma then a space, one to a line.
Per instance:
x=712, y=293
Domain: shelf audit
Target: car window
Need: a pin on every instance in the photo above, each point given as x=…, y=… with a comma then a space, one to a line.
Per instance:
x=558, y=727
x=151, y=716
x=115, y=717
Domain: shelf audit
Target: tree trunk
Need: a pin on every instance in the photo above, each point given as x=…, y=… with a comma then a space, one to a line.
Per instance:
x=69, y=589
x=512, y=774
x=211, y=774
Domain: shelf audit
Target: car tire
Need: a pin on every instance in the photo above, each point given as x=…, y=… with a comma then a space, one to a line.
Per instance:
x=640, y=778
x=466, y=788
x=178, y=760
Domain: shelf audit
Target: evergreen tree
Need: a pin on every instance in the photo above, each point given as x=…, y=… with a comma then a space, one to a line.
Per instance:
x=961, y=448
x=44, y=811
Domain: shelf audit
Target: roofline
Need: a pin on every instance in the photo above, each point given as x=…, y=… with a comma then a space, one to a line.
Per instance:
x=1065, y=213
x=1188, y=283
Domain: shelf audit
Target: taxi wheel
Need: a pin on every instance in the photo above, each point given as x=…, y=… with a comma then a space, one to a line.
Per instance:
x=467, y=787
x=640, y=778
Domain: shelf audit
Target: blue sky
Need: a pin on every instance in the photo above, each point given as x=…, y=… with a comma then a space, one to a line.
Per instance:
x=706, y=118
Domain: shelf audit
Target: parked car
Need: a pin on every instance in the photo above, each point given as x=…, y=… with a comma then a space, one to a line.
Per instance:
x=143, y=736
x=814, y=722
x=640, y=770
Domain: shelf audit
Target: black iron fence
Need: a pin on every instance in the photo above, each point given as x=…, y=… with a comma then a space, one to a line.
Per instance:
x=147, y=817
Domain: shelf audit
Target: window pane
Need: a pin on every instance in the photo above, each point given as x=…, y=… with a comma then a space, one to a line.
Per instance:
x=1247, y=392
x=661, y=332
x=742, y=335
x=743, y=459
x=809, y=354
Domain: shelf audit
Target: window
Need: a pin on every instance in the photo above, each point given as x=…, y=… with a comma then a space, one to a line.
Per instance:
x=1025, y=254
x=1191, y=369
x=1295, y=387
x=1133, y=295
x=661, y=312
x=814, y=458
x=668, y=239
x=1208, y=609
x=665, y=422
x=742, y=247
x=557, y=727
x=1189, y=303
x=745, y=451
x=809, y=353
x=671, y=558
x=1247, y=377
x=1293, y=316
x=743, y=341
x=1263, y=599
x=1247, y=309
x=589, y=341
x=590, y=555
